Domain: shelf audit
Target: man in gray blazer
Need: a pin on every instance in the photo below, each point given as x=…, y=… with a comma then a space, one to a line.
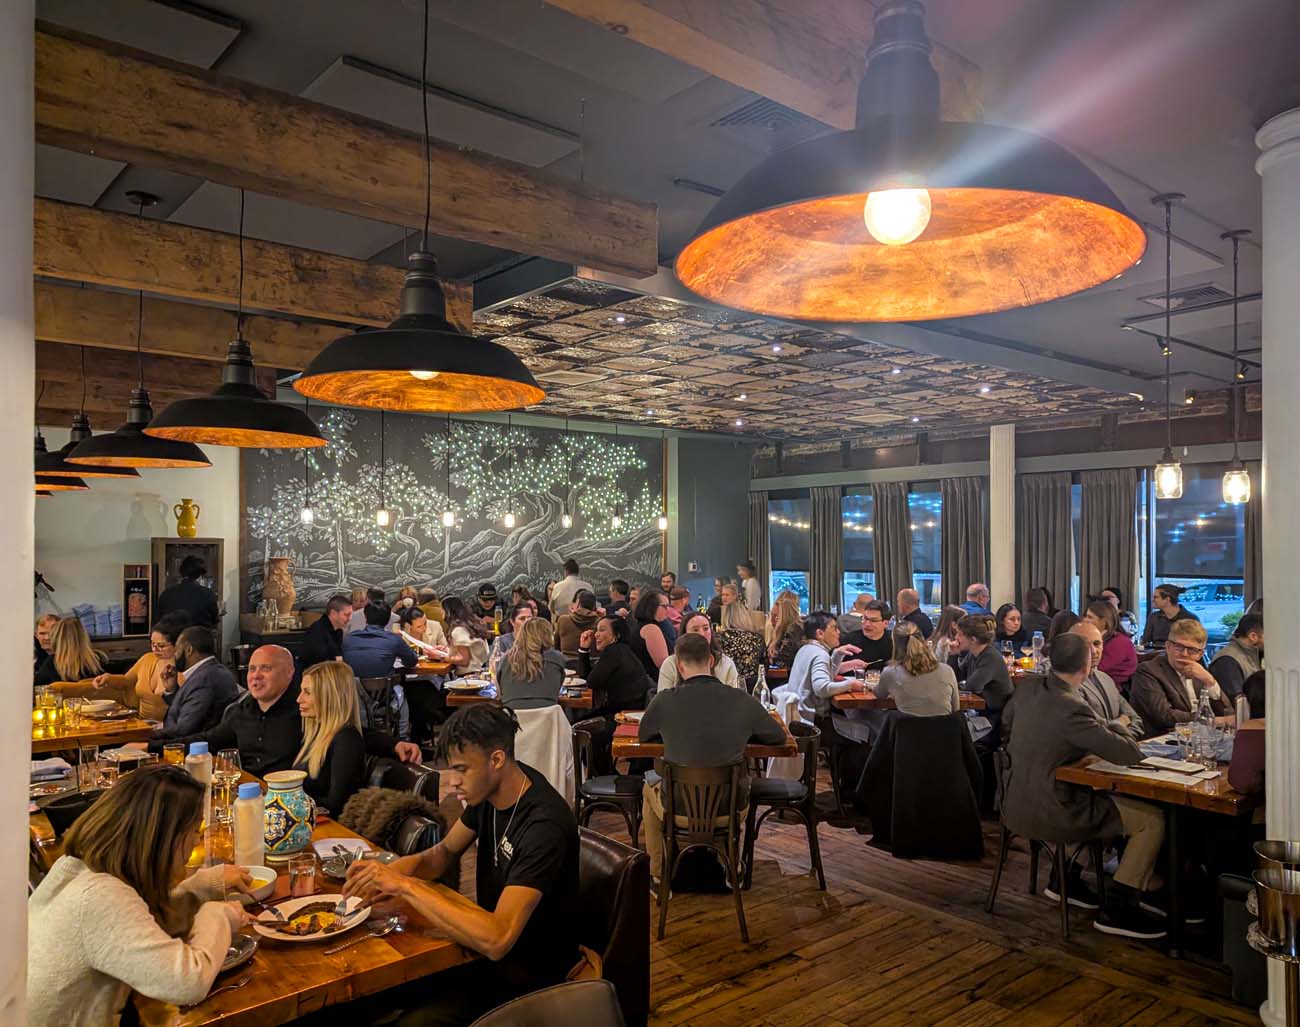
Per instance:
x=1050, y=726
x=205, y=690
x=1099, y=690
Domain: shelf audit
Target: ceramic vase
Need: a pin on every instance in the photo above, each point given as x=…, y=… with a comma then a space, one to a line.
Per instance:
x=187, y=518
x=290, y=814
x=279, y=586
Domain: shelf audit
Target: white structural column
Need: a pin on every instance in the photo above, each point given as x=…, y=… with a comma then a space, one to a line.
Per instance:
x=1279, y=167
x=17, y=352
x=1002, y=514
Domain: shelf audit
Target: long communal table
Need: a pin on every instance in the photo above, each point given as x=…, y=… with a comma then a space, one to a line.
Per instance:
x=92, y=732
x=625, y=745
x=870, y=701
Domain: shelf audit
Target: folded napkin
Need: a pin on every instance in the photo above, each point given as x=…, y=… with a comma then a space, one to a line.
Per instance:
x=51, y=769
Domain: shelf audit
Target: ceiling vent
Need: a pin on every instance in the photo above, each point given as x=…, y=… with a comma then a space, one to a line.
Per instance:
x=1192, y=296
x=764, y=113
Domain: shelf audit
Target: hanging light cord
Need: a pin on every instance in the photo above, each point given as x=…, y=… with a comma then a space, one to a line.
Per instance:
x=239, y=300
x=139, y=318
x=306, y=460
x=1169, y=424
x=447, y=463
x=381, y=459
x=82, y=351
x=424, y=102
x=1236, y=389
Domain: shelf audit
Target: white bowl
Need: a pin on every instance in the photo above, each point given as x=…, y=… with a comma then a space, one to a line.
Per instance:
x=262, y=874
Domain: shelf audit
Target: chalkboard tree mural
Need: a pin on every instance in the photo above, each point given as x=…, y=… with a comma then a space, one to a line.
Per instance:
x=611, y=487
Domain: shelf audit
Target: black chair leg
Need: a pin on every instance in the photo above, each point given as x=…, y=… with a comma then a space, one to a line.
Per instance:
x=666, y=884
x=1060, y=858
x=1004, y=846
x=815, y=846
x=1033, y=867
x=751, y=830
x=733, y=872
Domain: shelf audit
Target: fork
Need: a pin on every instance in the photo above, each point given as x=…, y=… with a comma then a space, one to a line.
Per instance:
x=232, y=986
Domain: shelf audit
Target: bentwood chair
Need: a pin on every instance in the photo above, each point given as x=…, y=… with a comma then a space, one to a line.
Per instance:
x=702, y=810
x=618, y=792
x=591, y=1003
x=377, y=694
x=793, y=796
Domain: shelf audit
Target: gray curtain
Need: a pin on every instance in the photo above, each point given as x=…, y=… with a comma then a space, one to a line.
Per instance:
x=1254, y=570
x=760, y=546
x=962, y=535
x=1045, y=548
x=892, y=538
x=826, y=570
x=1108, y=546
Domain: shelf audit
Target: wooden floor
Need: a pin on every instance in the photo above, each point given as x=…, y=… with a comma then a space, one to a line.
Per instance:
x=898, y=942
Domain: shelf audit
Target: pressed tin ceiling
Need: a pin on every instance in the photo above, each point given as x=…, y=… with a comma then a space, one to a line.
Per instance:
x=662, y=361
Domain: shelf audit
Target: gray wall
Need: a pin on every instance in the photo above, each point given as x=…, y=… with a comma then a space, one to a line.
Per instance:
x=711, y=519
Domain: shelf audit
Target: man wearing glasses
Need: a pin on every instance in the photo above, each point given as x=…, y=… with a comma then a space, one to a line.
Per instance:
x=872, y=638
x=1167, y=690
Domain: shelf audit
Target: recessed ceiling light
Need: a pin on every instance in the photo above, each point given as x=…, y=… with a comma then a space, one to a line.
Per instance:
x=896, y=370
x=916, y=420
x=1138, y=396
x=742, y=397
x=984, y=389
x=619, y=319
x=649, y=412
x=776, y=347
x=739, y=423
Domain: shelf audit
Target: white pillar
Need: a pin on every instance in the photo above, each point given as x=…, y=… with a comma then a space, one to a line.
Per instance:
x=17, y=350
x=1002, y=515
x=1279, y=166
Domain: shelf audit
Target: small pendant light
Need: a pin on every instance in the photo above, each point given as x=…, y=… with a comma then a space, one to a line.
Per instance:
x=448, y=515
x=566, y=521
x=129, y=446
x=56, y=463
x=420, y=361
x=238, y=413
x=1168, y=472
x=616, y=522
x=382, y=516
x=662, y=523
x=509, y=519
x=306, y=515
x=1236, y=479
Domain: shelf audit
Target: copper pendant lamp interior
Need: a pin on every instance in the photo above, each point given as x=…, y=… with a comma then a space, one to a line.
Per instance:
x=50, y=483
x=238, y=413
x=129, y=446
x=1009, y=220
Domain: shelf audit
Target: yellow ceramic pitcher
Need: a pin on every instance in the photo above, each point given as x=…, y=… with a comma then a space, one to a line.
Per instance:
x=187, y=518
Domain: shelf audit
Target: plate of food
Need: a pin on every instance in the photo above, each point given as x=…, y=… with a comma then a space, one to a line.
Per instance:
x=469, y=684
x=629, y=716
x=311, y=918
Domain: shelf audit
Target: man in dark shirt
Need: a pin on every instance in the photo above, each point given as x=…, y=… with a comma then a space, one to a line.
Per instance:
x=618, y=590
x=909, y=609
x=373, y=651
x=872, y=638
x=703, y=723
x=198, y=601
x=323, y=642
x=527, y=875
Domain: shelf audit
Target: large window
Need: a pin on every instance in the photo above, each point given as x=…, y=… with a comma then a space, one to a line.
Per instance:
x=925, y=507
x=859, y=550
x=1199, y=545
x=787, y=523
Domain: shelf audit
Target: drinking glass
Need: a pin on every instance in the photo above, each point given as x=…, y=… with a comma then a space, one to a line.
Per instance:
x=106, y=773
x=174, y=754
x=1008, y=651
x=72, y=708
x=87, y=759
x=225, y=776
x=302, y=874
x=1186, y=735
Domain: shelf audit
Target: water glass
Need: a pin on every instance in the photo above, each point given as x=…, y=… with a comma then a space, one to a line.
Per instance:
x=302, y=874
x=72, y=710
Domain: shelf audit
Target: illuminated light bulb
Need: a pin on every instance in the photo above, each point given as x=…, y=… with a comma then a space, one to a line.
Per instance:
x=616, y=521
x=382, y=517
x=566, y=521
x=508, y=520
x=448, y=518
x=307, y=516
x=1169, y=477
x=663, y=522
x=424, y=376
x=896, y=217
x=1236, y=485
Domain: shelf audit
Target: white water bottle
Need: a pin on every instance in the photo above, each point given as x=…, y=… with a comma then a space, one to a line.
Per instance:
x=250, y=826
x=198, y=764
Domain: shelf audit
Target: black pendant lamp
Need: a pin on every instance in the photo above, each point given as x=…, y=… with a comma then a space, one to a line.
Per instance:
x=57, y=464
x=52, y=474
x=909, y=218
x=421, y=361
x=238, y=413
x=129, y=446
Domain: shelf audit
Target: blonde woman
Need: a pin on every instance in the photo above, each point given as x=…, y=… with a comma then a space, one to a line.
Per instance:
x=71, y=660
x=737, y=638
x=784, y=630
x=145, y=683
x=333, y=752
x=919, y=683
x=532, y=672
x=111, y=918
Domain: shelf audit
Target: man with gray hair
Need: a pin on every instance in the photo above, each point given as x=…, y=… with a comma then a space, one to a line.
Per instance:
x=977, y=598
x=907, y=607
x=1099, y=690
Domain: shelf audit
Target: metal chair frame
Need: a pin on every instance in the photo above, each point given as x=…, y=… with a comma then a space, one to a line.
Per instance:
x=807, y=738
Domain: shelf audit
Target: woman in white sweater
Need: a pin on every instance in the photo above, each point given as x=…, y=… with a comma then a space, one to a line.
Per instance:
x=724, y=667
x=109, y=918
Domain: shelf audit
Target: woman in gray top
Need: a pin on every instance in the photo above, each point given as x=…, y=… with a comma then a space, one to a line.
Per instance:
x=532, y=672
x=918, y=682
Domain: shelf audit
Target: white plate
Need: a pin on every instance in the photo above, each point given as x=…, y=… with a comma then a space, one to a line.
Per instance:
x=632, y=716
x=469, y=684
x=325, y=846
x=575, y=683
x=99, y=705
x=357, y=915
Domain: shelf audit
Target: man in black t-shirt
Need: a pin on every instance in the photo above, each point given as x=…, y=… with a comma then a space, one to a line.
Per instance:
x=872, y=638
x=527, y=875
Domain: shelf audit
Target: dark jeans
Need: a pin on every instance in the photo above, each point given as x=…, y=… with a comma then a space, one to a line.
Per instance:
x=428, y=705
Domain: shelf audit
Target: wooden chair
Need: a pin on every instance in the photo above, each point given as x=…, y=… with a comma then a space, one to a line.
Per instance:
x=701, y=811
x=591, y=1003
x=795, y=796
x=378, y=696
x=618, y=792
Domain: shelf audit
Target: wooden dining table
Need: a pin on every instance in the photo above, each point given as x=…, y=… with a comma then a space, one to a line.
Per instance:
x=865, y=700
x=1214, y=795
x=92, y=732
x=626, y=746
x=431, y=668
x=581, y=701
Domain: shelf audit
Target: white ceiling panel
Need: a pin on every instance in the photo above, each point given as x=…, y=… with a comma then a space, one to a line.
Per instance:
x=72, y=177
x=283, y=221
x=182, y=33
x=373, y=92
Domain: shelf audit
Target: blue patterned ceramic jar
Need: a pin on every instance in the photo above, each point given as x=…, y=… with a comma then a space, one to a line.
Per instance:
x=290, y=814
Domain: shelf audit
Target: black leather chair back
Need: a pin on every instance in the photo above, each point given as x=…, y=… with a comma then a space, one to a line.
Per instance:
x=415, y=778
x=590, y=1003
x=614, y=919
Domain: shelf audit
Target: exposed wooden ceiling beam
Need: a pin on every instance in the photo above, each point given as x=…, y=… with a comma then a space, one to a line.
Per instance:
x=100, y=98
x=805, y=54
x=82, y=244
